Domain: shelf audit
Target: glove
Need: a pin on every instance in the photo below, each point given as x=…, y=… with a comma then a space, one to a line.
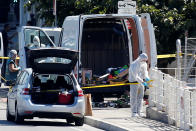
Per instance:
x=145, y=84
x=19, y=68
x=147, y=79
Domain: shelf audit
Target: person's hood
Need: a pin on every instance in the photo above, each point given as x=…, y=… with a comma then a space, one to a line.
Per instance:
x=142, y=57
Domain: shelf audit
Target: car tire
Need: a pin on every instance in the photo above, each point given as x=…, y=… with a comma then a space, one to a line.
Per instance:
x=18, y=118
x=8, y=116
x=79, y=121
x=70, y=120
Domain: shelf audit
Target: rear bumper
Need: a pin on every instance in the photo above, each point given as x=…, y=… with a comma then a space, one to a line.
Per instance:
x=58, y=115
x=27, y=108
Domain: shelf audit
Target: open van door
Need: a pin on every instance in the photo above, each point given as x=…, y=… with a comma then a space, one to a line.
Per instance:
x=1, y=53
x=149, y=39
x=27, y=42
x=1, y=50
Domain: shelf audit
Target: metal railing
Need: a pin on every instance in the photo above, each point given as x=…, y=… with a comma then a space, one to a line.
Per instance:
x=191, y=81
x=175, y=98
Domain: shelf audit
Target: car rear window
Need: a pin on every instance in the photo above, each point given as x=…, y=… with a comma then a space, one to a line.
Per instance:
x=52, y=60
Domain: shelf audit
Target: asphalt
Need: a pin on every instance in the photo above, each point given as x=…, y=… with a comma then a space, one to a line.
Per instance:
x=116, y=119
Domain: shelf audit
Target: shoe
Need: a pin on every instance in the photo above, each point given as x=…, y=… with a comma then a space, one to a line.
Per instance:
x=141, y=115
x=134, y=115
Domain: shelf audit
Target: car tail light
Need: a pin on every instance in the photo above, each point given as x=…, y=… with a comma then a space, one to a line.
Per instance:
x=76, y=113
x=80, y=93
x=25, y=91
x=28, y=112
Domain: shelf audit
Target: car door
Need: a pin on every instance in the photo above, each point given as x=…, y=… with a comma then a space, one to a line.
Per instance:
x=16, y=91
x=12, y=93
x=1, y=51
x=26, y=40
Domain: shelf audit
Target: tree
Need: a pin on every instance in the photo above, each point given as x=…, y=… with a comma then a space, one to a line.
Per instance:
x=170, y=18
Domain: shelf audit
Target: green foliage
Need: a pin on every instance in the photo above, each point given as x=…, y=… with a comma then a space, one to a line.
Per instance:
x=170, y=17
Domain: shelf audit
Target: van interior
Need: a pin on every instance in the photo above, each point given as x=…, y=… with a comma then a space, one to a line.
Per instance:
x=104, y=45
x=52, y=89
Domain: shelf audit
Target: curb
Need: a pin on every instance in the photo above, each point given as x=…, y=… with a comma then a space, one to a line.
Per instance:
x=101, y=124
x=154, y=114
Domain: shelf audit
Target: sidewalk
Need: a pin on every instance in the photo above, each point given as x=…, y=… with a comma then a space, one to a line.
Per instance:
x=116, y=119
x=119, y=119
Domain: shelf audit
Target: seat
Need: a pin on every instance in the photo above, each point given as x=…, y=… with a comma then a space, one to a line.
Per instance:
x=50, y=84
x=60, y=82
x=36, y=82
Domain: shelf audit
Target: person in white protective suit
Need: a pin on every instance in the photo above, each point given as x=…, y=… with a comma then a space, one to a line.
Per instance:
x=35, y=44
x=138, y=73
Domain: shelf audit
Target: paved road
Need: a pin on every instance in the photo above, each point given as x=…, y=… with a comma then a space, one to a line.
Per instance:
x=40, y=125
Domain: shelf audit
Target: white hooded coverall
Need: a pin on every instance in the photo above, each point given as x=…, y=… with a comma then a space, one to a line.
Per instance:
x=137, y=73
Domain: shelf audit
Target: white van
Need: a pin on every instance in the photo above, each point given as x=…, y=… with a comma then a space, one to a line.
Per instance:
x=1, y=54
x=107, y=41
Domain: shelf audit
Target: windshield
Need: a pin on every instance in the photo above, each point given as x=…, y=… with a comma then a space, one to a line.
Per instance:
x=54, y=77
x=35, y=38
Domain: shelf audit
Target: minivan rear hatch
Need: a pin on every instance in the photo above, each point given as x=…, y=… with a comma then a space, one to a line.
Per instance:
x=52, y=60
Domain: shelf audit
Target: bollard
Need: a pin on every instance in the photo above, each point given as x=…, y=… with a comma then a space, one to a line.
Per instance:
x=88, y=105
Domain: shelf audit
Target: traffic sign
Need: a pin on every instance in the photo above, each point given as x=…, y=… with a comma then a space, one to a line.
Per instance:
x=126, y=7
x=126, y=4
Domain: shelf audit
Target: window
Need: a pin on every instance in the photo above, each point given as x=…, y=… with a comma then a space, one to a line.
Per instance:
x=22, y=79
x=18, y=78
x=25, y=78
x=43, y=40
x=70, y=33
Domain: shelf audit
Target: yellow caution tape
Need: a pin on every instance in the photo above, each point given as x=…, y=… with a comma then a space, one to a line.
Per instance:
x=167, y=55
x=8, y=57
x=123, y=84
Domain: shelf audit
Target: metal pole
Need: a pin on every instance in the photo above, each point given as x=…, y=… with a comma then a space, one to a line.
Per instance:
x=21, y=12
x=185, y=53
x=55, y=20
x=54, y=12
x=178, y=46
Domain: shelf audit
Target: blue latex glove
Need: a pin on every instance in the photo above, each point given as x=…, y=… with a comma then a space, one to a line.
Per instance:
x=147, y=79
x=19, y=68
x=145, y=84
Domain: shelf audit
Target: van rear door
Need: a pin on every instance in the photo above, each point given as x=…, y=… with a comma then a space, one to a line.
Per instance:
x=149, y=39
x=1, y=51
x=70, y=29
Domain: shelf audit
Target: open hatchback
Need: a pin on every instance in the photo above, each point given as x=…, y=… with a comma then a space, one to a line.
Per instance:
x=47, y=88
x=51, y=72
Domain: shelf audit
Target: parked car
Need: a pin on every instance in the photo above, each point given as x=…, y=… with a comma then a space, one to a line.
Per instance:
x=47, y=88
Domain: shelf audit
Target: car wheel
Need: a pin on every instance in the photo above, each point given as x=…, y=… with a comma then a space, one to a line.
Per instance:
x=70, y=120
x=8, y=116
x=79, y=121
x=18, y=118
